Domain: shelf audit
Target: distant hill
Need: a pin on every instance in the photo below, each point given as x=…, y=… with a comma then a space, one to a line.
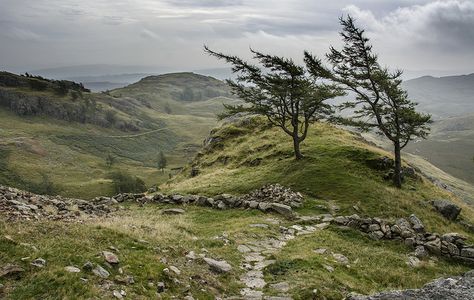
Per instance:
x=450, y=146
x=60, y=132
x=443, y=96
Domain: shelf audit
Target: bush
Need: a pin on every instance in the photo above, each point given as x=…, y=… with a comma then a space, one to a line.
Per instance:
x=123, y=182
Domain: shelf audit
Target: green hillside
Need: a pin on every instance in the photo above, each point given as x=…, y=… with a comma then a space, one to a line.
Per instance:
x=58, y=134
x=340, y=175
x=339, y=170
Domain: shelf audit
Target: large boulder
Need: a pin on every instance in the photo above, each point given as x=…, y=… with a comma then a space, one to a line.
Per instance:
x=449, y=210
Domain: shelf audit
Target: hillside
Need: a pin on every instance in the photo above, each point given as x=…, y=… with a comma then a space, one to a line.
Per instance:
x=443, y=96
x=57, y=135
x=226, y=252
x=450, y=146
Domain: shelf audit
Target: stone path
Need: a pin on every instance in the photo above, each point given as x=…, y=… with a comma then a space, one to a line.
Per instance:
x=256, y=257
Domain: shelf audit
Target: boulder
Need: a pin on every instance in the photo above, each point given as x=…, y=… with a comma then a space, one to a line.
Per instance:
x=219, y=266
x=449, y=210
x=282, y=209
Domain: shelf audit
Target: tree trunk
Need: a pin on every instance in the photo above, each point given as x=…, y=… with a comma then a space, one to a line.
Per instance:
x=397, y=175
x=296, y=147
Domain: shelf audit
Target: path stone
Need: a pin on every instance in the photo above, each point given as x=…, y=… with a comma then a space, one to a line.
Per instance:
x=281, y=286
x=39, y=262
x=243, y=249
x=11, y=270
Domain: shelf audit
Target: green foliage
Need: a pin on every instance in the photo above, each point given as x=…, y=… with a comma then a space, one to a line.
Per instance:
x=123, y=182
x=110, y=160
x=162, y=161
x=281, y=91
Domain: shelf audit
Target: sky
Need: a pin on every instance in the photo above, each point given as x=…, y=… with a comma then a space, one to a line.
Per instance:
x=409, y=34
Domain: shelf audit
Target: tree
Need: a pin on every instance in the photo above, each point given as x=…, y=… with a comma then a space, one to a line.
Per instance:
x=123, y=182
x=380, y=103
x=162, y=162
x=282, y=91
x=110, y=160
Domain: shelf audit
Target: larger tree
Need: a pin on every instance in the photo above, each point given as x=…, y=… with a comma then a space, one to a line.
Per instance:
x=380, y=101
x=280, y=90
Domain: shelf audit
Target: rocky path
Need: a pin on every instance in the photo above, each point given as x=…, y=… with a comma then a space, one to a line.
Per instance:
x=257, y=253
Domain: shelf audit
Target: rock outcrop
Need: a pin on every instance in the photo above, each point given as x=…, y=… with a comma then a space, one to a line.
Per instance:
x=449, y=210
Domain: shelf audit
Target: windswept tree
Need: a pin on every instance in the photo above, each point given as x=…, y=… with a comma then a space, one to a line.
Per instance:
x=380, y=101
x=162, y=161
x=280, y=90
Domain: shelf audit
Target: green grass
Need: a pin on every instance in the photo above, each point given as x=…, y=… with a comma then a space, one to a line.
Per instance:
x=374, y=266
x=336, y=170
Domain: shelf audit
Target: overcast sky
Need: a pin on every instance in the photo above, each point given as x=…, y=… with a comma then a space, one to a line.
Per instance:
x=409, y=34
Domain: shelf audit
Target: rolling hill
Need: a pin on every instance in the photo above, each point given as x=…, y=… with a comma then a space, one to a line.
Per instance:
x=443, y=96
x=61, y=138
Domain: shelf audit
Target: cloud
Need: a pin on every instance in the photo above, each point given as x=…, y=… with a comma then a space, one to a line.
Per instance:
x=442, y=25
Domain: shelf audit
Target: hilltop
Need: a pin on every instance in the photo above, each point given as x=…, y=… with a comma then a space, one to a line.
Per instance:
x=56, y=135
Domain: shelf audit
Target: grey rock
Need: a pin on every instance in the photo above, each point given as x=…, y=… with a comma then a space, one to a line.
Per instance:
x=413, y=261
x=416, y=223
x=110, y=257
x=341, y=258
x=88, y=266
x=467, y=252
x=72, y=269
x=449, y=210
x=219, y=266
x=281, y=286
x=160, y=287
x=282, y=209
x=39, y=262
x=420, y=252
x=101, y=272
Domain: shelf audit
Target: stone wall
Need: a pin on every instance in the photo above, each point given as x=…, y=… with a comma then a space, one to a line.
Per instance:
x=412, y=232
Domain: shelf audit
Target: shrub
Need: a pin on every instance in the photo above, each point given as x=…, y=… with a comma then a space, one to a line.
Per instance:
x=123, y=182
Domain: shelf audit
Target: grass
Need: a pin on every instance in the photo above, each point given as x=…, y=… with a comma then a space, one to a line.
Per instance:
x=148, y=242
x=374, y=266
x=336, y=170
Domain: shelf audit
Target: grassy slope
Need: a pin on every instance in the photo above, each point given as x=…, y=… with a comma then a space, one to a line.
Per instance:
x=335, y=171
x=73, y=154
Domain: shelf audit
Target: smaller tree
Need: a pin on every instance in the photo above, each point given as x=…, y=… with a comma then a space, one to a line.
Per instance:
x=110, y=160
x=280, y=90
x=380, y=101
x=162, y=162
